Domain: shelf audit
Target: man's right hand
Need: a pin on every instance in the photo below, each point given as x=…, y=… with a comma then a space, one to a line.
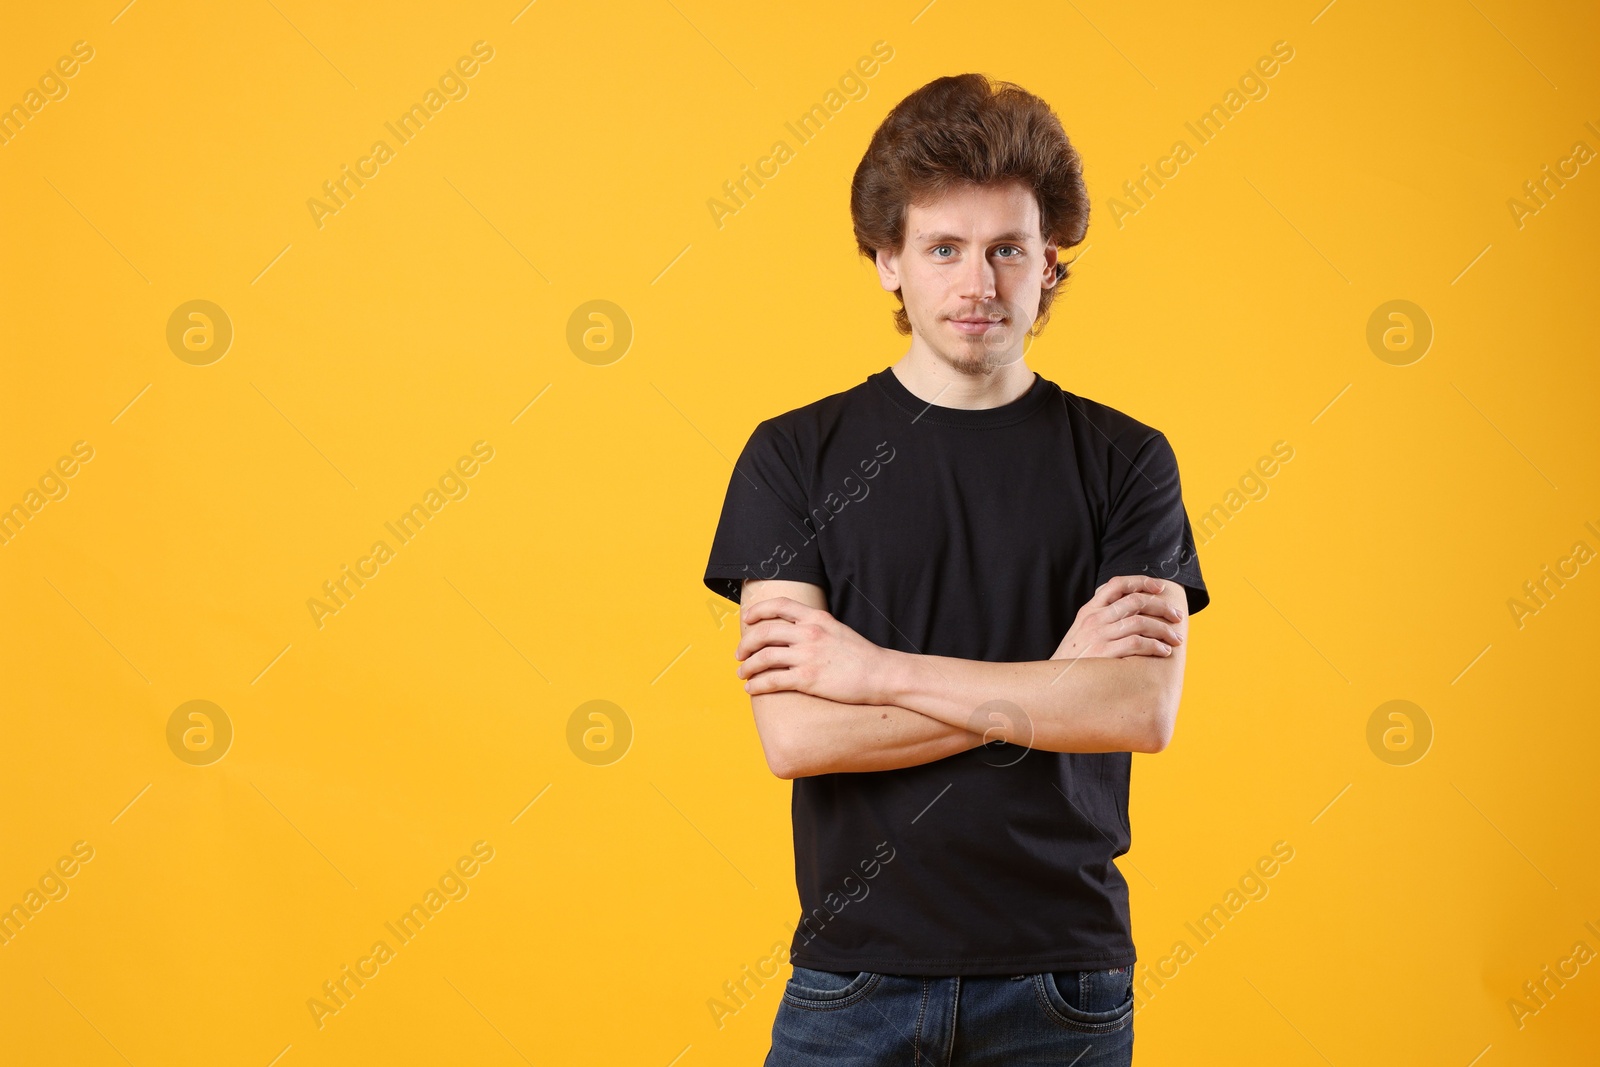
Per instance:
x=1125, y=617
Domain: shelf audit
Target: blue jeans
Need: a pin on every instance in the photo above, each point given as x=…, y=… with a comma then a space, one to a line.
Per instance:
x=1076, y=1018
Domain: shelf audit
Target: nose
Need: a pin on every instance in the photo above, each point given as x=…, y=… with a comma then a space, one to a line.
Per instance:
x=977, y=281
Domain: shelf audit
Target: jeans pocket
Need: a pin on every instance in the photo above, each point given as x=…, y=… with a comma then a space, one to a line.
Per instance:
x=1091, y=1002
x=823, y=990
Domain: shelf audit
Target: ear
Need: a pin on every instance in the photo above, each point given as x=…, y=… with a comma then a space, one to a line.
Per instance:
x=888, y=264
x=1051, y=276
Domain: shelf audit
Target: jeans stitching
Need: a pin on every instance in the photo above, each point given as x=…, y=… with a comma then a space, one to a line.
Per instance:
x=916, y=1036
x=1105, y=1026
x=832, y=1005
x=955, y=1004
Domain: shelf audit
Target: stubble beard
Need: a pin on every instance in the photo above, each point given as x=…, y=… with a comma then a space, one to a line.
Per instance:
x=984, y=354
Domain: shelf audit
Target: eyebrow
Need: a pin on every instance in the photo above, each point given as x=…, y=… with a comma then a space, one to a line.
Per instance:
x=1015, y=236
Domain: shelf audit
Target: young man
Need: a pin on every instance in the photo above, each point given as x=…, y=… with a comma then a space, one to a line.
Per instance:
x=964, y=602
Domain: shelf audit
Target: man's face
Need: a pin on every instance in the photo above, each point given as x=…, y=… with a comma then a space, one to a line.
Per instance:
x=971, y=272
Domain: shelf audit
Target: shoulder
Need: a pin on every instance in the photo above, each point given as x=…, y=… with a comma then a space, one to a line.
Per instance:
x=1115, y=447
x=1111, y=427
x=804, y=427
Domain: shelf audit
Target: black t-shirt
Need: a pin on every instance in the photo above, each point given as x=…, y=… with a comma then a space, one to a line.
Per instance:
x=976, y=534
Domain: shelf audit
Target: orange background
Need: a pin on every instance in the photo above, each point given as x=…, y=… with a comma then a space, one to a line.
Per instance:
x=447, y=303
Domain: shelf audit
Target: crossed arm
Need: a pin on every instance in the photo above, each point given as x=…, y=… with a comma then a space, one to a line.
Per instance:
x=826, y=699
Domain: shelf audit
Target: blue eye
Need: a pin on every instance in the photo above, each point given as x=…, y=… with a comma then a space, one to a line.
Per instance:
x=1019, y=251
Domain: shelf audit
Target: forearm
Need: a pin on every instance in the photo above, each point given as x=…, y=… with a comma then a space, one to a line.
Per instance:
x=1066, y=705
x=805, y=735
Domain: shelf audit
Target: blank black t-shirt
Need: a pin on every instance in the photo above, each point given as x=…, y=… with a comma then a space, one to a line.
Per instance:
x=976, y=534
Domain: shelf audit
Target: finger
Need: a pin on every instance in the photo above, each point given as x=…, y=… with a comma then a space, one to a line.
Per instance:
x=1121, y=585
x=1113, y=589
x=1123, y=608
x=1146, y=604
x=1145, y=626
x=770, y=632
x=772, y=682
x=766, y=659
x=1137, y=646
x=1160, y=605
x=778, y=607
x=1137, y=622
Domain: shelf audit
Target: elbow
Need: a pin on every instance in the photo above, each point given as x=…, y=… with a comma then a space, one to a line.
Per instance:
x=1156, y=738
x=776, y=745
x=781, y=766
x=789, y=765
x=780, y=759
x=1159, y=722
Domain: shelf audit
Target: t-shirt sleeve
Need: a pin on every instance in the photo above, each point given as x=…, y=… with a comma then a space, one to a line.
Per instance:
x=1148, y=530
x=764, y=531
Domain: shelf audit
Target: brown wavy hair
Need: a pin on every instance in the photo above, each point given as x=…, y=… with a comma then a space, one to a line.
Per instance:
x=966, y=130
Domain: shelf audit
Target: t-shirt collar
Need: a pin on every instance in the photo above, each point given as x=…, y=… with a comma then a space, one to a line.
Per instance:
x=921, y=412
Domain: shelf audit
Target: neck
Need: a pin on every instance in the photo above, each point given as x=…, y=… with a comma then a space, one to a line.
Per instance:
x=981, y=383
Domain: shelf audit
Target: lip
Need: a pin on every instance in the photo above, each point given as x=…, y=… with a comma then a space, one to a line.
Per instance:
x=975, y=326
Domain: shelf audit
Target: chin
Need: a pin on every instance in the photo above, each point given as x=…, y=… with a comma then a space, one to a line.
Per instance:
x=975, y=361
